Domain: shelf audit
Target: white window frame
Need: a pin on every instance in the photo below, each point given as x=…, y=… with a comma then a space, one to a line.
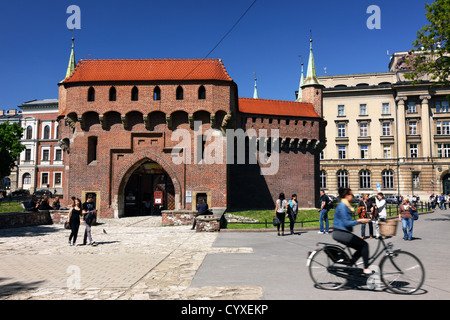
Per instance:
x=54, y=179
x=42, y=179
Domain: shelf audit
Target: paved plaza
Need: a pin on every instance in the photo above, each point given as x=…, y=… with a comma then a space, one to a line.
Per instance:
x=138, y=259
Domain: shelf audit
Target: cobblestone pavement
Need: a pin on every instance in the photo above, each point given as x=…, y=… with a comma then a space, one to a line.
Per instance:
x=135, y=259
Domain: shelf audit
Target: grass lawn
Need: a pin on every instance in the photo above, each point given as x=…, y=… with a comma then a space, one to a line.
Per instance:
x=305, y=218
x=11, y=207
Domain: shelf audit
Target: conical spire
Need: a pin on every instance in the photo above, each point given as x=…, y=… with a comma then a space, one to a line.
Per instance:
x=72, y=64
x=311, y=75
x=255, y=92
x=302, y=80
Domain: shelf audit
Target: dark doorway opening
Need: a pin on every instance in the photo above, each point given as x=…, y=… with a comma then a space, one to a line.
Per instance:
x=149, y=191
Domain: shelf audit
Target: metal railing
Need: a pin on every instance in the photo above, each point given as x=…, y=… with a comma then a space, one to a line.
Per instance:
x=391, y=211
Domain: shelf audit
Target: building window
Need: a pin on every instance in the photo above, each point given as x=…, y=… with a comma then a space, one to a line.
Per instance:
x=202, y=93
x=443, y=150
x=44, y=179
x=416, y=180
x=26, y=179
x=323, y=179
x=363, y=110
x=180, y=93
x=58, y=178
x=443, y=127
x=135, y=94
x=441, y=106
x=386, y=109
x=388, y=179
x=27, y=154
x=387, y=151
x=412, y=107
x=363, y=130
x=413, y=127
x=364, y=179
x=46, y=132
x=341, y=130
x=364, y=152
x=342, y=177
x=29, y=132
x=386, y=128
x=157, y=94
x=413, y=150
x=58, y=155
x=342, y=152
x=112, y=94
x=341, y=111
x=91, y=94
x=92, y=149
x=45, y=155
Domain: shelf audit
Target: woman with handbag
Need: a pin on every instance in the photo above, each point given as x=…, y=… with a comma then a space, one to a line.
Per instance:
x=74, y=221
x=406, y=218
x=280, y=212
x=292, y=212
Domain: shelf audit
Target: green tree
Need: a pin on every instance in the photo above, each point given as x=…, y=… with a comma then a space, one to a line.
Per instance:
x=431, y=54
x=10, y=147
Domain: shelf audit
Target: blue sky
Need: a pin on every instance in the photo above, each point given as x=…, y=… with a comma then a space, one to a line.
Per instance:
x=35, y=41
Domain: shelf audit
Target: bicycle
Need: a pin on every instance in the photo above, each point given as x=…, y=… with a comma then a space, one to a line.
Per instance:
x=330, y=268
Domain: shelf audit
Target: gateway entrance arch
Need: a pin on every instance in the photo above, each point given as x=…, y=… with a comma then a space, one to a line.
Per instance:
x=146, y=189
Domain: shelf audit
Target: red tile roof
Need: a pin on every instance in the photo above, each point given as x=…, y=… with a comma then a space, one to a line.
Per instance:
x=142, y=70
x=277, y=108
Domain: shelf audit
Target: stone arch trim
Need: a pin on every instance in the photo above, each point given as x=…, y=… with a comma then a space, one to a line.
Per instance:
x=120, y=180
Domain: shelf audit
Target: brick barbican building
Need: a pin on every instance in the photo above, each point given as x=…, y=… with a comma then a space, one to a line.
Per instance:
x=117, y=120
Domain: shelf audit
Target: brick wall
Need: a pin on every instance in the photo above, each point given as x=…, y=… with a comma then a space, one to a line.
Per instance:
x=130, y=132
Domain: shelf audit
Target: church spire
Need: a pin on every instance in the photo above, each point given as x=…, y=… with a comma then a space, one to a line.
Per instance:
x=255, y=92
x=311, y=75
x=72, y=64
x=302, y=79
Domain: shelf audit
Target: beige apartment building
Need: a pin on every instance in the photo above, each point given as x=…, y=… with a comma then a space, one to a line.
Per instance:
x=385, y=134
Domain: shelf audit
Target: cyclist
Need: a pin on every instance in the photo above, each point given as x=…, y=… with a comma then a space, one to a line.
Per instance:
x=343, y=227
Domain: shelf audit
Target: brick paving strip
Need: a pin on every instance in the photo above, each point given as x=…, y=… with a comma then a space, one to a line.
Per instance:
x=136, y=259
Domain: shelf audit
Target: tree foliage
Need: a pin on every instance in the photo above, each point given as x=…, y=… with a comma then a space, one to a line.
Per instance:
x=10, y=147
x=431, y=54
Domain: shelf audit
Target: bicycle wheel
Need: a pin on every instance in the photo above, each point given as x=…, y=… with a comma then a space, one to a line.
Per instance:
x=402, y=272
x=319, y=265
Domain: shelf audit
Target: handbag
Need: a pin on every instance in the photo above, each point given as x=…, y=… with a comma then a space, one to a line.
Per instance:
x=414, y=214
x=276, y=222
x=66, y=225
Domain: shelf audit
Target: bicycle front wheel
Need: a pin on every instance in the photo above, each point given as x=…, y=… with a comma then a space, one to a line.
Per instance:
x=319, y=265
x=402, y=272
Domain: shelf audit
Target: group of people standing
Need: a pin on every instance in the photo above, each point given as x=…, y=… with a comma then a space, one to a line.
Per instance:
x=285, y=207
x=85, y=212
x=441, y=201
x=377, y=212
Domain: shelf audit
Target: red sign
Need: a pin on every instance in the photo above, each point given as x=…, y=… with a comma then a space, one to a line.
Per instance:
x=158, y=198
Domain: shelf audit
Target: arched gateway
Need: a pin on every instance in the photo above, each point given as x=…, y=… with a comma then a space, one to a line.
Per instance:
x=146, y=189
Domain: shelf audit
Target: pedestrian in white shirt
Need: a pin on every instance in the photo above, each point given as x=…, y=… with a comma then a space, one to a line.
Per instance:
x=380, y=203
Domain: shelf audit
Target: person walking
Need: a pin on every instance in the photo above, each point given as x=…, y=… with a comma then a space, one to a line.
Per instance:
x=406, y=218
x=74, y=218
x=343, y=228
x=280, y=212
x=324, y=202
x=89, y=215
x=292, y=212
x=365, y=211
